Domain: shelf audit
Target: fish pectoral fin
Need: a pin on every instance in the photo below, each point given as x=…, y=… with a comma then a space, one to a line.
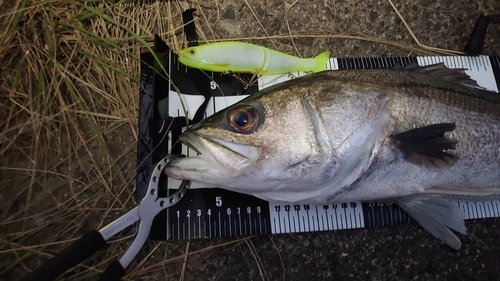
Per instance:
x=437, y=216
x=427, y=146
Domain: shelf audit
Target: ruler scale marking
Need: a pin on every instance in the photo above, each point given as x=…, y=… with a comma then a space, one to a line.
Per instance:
x=493, y=213
x=487, y=210
x=390, y=213
x=497, y=209
x=249, y=223
x=494, y=208
x=220, y=226
x=239, y=216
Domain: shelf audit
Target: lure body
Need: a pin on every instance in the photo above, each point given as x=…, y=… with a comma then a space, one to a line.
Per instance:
x=248, y=58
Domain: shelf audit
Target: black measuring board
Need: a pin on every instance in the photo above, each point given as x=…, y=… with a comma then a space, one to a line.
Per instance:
x=206, y=212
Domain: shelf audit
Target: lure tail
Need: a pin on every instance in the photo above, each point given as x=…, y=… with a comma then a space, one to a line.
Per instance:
x=321, y=59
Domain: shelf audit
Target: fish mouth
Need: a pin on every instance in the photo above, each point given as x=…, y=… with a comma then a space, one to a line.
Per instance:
x=187, y=59
x=215, y=157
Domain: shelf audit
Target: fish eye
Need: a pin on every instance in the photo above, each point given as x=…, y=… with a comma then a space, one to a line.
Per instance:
x=243, y=119
x=191, y=52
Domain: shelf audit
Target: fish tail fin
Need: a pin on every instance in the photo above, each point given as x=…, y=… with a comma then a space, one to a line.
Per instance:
x=321, y=59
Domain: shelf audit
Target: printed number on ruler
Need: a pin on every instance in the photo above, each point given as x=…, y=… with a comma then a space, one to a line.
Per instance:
x=287, y=218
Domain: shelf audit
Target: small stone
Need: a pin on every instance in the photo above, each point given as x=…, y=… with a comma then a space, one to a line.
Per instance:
x=229, y=13
x=261, y=12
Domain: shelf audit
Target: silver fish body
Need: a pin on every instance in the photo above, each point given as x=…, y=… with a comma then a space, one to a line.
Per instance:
x=413, y=137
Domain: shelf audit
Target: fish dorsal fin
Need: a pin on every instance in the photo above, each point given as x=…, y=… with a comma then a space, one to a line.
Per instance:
x=442, y=71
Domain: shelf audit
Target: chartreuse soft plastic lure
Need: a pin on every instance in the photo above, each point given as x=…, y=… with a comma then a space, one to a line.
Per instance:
x=248, y=58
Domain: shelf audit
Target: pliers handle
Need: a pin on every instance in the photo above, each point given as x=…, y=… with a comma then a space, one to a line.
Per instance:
x=91, y=242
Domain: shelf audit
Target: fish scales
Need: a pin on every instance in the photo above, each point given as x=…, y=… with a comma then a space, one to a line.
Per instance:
x=416, y=108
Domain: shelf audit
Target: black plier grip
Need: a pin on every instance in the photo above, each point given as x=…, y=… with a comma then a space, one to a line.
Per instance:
x=93, y=241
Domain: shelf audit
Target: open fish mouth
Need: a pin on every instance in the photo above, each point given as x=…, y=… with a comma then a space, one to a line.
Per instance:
x=215, y=157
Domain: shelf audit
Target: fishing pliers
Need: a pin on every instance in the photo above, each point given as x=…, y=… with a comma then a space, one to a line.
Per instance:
x=91, y=242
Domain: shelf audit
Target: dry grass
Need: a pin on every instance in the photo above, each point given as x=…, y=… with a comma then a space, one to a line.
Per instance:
x=67, y=93
x=68, y=122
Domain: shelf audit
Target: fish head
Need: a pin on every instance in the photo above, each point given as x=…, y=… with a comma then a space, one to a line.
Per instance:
x=224, y=144
x=257, y=145
x=204, y=57
x=288, y=142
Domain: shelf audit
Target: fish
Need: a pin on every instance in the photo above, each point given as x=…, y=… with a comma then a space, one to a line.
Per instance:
x=419, y=137
x=244, y=57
